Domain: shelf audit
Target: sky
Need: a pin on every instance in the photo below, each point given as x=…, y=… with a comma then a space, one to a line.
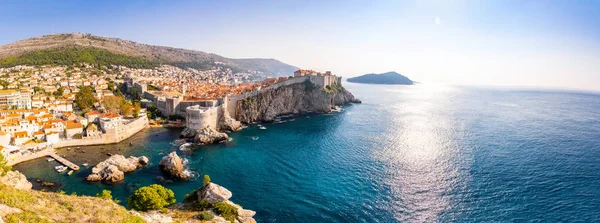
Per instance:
x=547, y=44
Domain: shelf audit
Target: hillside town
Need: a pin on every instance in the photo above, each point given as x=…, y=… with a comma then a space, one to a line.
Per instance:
x=56, y=106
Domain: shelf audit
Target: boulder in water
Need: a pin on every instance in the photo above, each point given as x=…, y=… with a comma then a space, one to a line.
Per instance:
x=173, y=164
x=114, y=168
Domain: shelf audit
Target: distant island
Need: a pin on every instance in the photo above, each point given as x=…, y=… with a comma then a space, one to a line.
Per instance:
x=384, y=78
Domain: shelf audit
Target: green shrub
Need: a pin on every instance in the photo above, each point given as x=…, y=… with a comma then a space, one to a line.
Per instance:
x=206, y=180
x=191, y=197
x=227, y=211
x=153, y=197
x=105, y=194
x=3, y=167
x=133, y=219
x=206, y=215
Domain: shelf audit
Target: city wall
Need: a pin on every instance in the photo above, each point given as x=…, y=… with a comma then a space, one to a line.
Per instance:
x=114, y=135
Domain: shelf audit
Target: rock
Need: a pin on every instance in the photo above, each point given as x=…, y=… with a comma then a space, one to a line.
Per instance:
x=188, y=133
x=114, y=168
x=244, y=216
x=173, y=164
x=153, y=216
x=144, y=160
x=204, y=136
x=17, y=180
x=209, y=136
x=226, y=123
x=5, y=210
x=214, y=193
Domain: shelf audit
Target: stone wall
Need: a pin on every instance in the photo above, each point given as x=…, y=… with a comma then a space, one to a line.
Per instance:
x=111, y=136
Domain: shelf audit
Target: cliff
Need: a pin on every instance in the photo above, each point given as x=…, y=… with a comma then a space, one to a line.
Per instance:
x=291, y=99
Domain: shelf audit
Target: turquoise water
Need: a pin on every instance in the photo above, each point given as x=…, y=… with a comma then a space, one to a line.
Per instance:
x=408, y=153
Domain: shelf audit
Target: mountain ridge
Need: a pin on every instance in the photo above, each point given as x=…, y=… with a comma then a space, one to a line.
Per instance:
x=177, y=56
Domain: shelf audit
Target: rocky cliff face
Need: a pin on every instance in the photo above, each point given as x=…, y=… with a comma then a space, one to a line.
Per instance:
x=291, y=99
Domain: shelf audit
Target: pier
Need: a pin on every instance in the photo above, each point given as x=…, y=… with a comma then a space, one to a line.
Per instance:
x=64, y=161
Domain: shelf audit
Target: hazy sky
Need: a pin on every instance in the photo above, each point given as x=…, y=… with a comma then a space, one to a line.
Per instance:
x=514, y=43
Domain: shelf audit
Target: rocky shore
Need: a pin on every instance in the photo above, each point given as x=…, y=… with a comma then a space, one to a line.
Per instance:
x=114, y=168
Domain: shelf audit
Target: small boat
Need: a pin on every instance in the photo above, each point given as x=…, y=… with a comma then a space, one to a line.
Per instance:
x=49, y=159
x=84, y=164
x=254, y=138
x=70, y=173
x=262, y=127
x=60, y=169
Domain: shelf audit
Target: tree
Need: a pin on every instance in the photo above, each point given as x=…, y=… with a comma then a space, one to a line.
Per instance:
x=136, y=109
x=113, y=103
x=4, y=168
x=153, y=197
x=59, y=92
x=37, y=90
x=85, y=97
x=126, y=110
x=206, y=180
x=135, y=94
x=105, y=194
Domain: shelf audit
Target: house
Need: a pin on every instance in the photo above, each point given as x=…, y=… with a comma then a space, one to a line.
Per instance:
x=39, y=135
x=69, y=116
x=4, y=138
x=92, y=116
x=52, y=137
x=93, y=131
x=110, y=120
x=20, y=138
x=73, y=128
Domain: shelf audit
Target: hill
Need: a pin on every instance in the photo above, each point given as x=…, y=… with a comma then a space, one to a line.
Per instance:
x=76, y=47
x=384, y=78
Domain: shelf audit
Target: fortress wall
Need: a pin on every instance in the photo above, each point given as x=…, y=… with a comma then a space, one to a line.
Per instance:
x=114, y=135
x=199, y=119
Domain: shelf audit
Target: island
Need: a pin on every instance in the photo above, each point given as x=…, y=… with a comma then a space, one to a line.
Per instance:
x=384, y=78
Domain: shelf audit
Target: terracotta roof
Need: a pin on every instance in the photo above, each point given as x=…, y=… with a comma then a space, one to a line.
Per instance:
x=22, y=134
x=74, y=125
x=109, y=115
x=93, y=112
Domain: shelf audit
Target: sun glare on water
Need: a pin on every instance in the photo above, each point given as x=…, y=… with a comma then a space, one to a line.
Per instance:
x=420, y=152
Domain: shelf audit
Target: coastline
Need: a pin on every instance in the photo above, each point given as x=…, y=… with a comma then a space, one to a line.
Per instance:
x=113, y=137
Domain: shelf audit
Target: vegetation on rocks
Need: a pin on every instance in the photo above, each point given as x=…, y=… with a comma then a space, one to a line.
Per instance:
x=206, y=215
x=227, y=211
x=38, y=206
x=153, y=197
x=206, y=180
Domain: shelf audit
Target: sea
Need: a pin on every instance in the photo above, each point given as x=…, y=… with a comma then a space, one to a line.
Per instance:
x=420, y=153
